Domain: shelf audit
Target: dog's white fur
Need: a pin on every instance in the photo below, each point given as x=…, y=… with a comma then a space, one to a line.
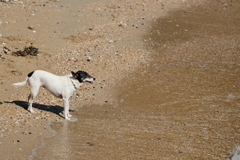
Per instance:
x=236, y=154
x=60, y=86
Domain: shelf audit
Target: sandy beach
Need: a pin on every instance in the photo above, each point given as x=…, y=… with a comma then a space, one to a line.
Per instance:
x=167, y=78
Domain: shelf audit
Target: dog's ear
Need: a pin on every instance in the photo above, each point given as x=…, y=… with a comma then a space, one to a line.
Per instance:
x=75, y=75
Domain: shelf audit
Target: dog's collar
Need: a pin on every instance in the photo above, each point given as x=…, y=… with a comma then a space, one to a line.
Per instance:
x=73, y=84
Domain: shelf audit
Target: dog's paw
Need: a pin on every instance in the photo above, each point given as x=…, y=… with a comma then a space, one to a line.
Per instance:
x=67, y=118
x=30, y=110
x=69, y=115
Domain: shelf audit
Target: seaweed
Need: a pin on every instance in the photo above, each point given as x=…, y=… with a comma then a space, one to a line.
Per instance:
x=32, y=51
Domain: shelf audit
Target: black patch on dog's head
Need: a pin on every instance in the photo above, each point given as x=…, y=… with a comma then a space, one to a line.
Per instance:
x=81, y=76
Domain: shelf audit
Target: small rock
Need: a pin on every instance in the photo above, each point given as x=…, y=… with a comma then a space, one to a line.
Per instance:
x=31, y=27
x=89, y=59
x=90, y=144
x=6, y=50
x=72, y=59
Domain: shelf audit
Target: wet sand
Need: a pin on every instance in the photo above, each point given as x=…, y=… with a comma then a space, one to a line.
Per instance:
x=169, y=89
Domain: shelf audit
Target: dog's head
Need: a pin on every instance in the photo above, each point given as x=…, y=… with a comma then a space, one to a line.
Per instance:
x=83, y=77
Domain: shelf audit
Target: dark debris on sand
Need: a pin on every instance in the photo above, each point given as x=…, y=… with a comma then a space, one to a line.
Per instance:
x=32, y=51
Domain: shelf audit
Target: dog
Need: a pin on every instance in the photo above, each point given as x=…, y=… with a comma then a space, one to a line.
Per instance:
x=60, y=86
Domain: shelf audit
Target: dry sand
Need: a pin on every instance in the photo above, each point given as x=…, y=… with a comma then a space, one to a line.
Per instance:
x=118, y=42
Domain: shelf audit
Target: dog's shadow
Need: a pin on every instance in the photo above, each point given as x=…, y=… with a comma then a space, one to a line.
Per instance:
x=54, y=109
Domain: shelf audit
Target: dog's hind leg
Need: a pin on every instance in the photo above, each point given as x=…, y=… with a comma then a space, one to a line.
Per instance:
x=31, y=97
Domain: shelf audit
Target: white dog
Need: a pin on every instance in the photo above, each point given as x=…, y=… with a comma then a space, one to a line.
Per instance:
x=236, y=154
x=60, y=86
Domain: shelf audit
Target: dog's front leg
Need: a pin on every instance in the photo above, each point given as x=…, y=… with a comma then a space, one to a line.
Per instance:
x=66, y=108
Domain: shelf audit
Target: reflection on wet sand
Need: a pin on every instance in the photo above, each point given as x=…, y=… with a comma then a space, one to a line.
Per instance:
x=61, y=148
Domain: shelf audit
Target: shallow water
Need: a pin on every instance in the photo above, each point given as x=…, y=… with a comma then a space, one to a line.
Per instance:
x=191, y=129
x=184, y=104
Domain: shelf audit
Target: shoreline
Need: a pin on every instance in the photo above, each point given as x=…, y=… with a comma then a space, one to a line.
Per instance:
x=34, y=150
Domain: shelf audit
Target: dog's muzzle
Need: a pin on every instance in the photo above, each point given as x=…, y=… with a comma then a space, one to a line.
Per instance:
x=90, y=80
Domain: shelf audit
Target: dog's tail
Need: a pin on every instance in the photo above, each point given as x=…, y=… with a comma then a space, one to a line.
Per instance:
x=19, y=84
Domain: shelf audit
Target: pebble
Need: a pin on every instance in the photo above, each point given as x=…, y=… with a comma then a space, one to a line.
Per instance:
x=89, y=59
x=31, y=27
